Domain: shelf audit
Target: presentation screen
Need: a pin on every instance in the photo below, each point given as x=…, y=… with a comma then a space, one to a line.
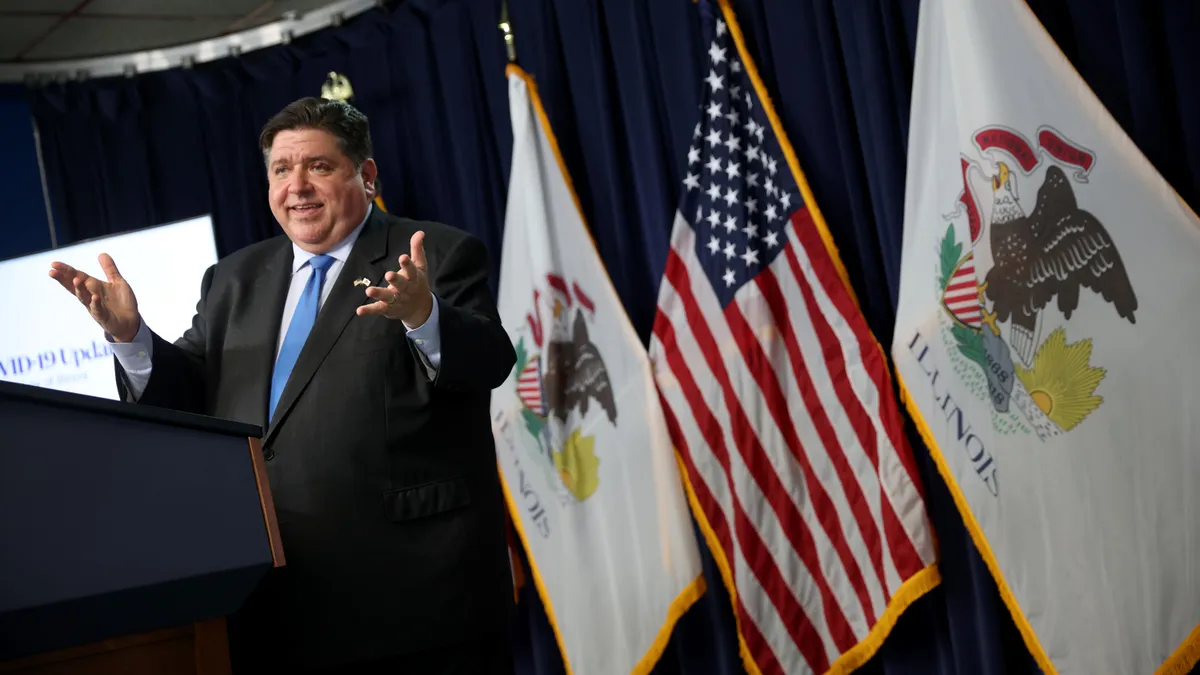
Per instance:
x=50, y=340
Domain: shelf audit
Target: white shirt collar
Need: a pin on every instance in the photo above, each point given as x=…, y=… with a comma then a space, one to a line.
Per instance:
x=300, y=257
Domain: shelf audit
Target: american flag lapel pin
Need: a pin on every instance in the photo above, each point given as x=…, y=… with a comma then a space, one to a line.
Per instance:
x=362, y=282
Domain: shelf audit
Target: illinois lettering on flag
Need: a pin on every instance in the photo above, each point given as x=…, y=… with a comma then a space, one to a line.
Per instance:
x=1045, y=346
x=584, y=453
x=778, y=396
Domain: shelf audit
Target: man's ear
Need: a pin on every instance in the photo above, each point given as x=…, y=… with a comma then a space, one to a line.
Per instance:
x=369, y=173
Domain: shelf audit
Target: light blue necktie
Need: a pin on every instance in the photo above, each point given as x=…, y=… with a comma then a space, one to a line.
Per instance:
x=302, y=323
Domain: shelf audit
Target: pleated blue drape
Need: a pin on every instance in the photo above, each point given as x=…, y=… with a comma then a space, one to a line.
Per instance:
x=621, y=84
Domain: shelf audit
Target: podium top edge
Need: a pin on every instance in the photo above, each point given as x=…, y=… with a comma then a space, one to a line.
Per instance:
x=103, y=406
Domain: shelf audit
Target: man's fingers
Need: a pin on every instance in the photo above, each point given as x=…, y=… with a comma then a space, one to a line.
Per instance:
x=398, y=280
x=409, y=267
x=79, y=288
x=96, y=308
x=375, y=308
x=382, y=294
x=109, y=267
x=64, y=274
x=93, y=293
x=89, y=290
x=67, y=281
x=59, y=270
x=417, y=246
x=94, y=286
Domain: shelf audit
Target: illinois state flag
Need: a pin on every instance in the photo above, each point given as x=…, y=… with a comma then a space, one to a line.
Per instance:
x=778, y=396
x=1046, y=346
x=584, y=452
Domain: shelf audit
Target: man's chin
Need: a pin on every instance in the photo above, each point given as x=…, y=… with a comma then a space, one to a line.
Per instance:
x=308, y=234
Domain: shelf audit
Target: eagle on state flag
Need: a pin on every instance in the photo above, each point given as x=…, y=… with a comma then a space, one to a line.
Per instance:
x=1054, y=251
x=576, y=375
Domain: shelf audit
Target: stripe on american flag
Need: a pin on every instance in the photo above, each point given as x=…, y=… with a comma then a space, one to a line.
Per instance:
x=778, y=397
x=788, y=536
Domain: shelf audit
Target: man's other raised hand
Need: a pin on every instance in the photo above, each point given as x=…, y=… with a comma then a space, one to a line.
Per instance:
x=111, y=303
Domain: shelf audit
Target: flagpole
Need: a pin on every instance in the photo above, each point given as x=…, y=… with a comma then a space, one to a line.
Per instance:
x=506, y=28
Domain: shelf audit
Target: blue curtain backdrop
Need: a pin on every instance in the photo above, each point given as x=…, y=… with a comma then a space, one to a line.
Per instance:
x=620, y=80
x=24, y=222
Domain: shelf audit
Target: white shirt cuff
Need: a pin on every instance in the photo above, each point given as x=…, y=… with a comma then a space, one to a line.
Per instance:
x=135, y=358
x=428, y=338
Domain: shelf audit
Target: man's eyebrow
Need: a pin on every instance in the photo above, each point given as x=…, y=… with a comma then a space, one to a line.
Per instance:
x=307, y=160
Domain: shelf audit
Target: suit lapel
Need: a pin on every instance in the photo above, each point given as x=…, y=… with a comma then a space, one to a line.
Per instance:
x=366, y=259
x=260, y=329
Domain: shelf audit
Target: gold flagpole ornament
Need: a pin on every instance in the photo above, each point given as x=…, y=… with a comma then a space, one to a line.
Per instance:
x=506, y=28
x=337, y=88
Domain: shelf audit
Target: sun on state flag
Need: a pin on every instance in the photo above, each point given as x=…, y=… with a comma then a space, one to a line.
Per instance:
x=778, y=397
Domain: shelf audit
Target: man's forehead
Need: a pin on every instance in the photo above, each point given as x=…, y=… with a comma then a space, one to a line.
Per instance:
x=300, y=144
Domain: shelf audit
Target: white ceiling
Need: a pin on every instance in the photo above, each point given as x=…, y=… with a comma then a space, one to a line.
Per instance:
x=49, y=30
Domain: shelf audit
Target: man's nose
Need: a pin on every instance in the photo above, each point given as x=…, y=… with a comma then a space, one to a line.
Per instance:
x=298, y=182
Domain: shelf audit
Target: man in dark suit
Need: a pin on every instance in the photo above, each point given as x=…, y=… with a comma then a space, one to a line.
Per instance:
x=373, y=386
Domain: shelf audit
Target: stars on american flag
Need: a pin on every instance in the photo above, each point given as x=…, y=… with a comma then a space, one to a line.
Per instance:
x=715, y=81
x=717, y=53
x=733, y=184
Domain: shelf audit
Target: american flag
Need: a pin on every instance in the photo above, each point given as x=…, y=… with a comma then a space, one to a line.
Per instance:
x=778, y=397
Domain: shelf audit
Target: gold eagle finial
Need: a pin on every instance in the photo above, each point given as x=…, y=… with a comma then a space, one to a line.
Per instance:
x=337, y=88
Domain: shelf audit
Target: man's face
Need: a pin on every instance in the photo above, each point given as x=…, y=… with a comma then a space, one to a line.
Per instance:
x=317, y=194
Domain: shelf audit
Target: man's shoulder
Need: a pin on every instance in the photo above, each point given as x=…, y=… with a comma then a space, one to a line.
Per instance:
x=249, y=261
x=253, y=256
x=437, y=235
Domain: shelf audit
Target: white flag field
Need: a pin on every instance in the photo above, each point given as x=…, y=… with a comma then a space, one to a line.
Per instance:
x=1045, y=346
x=586, y=459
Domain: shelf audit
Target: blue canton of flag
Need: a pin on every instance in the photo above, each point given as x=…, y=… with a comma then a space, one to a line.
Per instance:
x=739, y=192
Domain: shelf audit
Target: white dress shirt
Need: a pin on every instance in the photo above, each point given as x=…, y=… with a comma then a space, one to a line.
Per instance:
x=136, y=356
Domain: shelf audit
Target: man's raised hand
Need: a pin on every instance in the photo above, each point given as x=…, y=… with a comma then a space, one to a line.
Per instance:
x=111, y=303
x=407, y=296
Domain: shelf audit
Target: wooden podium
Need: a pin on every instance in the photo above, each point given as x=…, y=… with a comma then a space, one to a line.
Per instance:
x=127, y=535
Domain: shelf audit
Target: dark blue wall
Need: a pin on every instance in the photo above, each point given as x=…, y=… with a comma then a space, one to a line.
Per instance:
x=23, y=224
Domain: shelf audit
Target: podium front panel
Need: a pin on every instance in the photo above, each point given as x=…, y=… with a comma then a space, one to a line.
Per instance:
x=112, y=524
